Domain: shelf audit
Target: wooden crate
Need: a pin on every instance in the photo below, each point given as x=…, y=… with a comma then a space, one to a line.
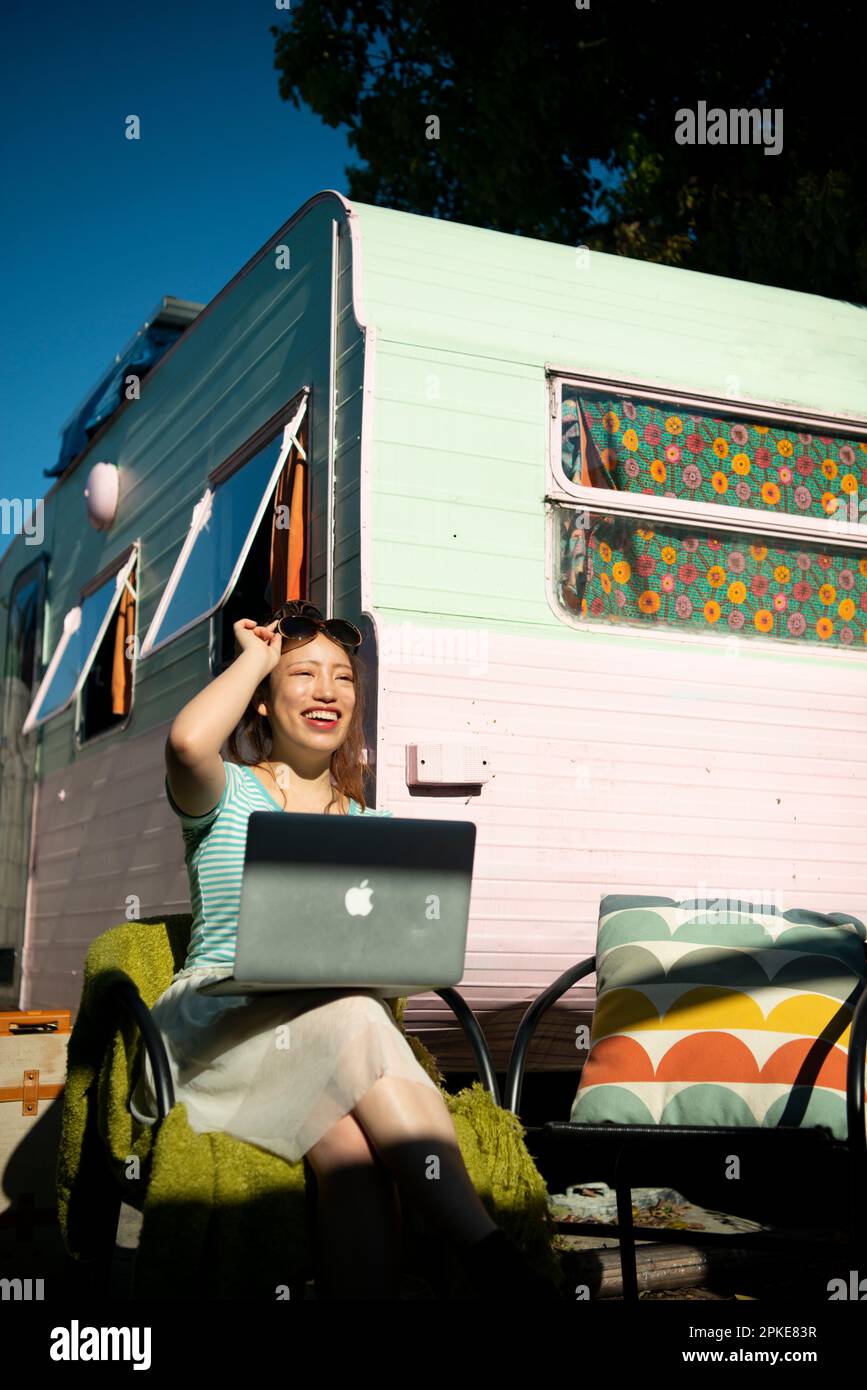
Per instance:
x=33, y=1045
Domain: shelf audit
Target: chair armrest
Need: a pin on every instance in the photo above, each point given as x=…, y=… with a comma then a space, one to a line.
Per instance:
x=472, y=1028
x=125, y=994
x=527, y=1027
x=855, y=1084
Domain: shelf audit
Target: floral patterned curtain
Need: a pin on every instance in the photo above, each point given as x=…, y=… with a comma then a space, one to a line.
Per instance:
x=634, y=570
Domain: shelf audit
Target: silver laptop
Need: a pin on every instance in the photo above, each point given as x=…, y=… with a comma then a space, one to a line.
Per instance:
x=372, y=902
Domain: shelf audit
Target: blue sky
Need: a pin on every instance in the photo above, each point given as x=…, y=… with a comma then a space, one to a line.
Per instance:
x=97, y=227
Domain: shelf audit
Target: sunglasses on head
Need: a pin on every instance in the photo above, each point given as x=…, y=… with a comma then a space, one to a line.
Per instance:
x=300, y=619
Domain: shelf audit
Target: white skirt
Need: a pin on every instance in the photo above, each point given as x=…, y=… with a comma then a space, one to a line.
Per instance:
x=277, y=1070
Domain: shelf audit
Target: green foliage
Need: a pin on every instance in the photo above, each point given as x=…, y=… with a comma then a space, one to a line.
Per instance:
x=528, y=94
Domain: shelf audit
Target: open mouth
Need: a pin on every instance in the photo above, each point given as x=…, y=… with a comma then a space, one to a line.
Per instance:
x=321, y=718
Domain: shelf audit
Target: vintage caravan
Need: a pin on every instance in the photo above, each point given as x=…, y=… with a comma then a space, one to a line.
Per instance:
x=602, y=522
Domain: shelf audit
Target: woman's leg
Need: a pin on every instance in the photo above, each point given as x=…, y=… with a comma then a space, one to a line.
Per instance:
x=411, y=1129
x=359, y=1226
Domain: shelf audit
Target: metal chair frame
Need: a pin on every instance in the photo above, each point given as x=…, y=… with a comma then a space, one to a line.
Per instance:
x=629, y=1153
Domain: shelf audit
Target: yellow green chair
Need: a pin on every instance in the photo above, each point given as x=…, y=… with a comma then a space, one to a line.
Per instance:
x=223, y=1218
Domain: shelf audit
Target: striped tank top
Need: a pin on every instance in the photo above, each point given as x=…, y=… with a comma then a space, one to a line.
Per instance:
x=214, y=853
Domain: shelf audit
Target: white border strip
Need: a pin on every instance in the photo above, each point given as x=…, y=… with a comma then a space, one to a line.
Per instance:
x=331, y=471
x=670, y=394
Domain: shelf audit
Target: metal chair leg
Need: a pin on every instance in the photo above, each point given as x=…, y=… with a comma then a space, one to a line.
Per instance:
x=95, y=1275
x=626, y=1230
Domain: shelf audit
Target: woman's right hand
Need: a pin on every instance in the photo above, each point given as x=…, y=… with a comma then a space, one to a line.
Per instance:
x=266, y=642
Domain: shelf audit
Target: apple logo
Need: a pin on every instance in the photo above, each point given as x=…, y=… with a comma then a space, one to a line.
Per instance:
x=357, y=900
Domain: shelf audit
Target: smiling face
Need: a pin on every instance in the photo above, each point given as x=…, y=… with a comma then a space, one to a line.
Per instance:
x=315, y=677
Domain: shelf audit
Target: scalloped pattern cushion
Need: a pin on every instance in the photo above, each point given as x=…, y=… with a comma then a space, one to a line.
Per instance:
x=714, y=1011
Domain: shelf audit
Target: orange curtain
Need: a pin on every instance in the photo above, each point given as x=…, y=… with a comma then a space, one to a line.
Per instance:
x=586, y=480
x=121, y=668
x=287, y=542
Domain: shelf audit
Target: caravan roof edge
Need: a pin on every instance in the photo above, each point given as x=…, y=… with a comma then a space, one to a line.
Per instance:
x=322, y=196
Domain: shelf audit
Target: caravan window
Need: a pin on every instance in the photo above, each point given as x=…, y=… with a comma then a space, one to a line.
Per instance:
x=84, y=627
x=721, y=522
x=106, y=693
x=22, y=632
x=222, y=528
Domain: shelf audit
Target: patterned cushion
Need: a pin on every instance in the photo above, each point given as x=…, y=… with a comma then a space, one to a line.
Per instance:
x=715, y=1011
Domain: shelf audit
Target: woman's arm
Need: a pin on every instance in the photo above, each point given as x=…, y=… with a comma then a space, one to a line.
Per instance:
x=193, y=764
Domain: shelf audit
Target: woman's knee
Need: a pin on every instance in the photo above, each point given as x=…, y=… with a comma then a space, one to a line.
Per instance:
x=350, y=1011
x=344, y=1144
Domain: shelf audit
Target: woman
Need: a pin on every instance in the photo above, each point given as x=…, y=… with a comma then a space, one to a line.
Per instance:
x=326, y=1075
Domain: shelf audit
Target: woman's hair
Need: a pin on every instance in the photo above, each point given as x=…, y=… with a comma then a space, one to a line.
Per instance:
x=347, y=769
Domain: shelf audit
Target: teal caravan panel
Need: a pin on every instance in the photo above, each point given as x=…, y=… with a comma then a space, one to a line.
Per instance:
x=258, y=342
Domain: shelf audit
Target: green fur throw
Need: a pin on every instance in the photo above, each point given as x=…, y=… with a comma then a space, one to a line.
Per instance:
x=223, y=1218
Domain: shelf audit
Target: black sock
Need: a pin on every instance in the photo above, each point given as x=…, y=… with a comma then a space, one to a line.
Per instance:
x=497, y=1235
x=496, y=1264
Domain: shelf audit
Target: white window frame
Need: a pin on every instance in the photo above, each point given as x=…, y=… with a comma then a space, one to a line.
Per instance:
x=201, y=514
x=71, y=624
x=704, y=516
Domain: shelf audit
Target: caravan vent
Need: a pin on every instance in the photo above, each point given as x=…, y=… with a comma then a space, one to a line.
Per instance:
x=140, y=356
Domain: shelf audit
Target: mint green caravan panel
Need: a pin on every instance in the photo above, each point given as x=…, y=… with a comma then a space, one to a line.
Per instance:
x=469, y=321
